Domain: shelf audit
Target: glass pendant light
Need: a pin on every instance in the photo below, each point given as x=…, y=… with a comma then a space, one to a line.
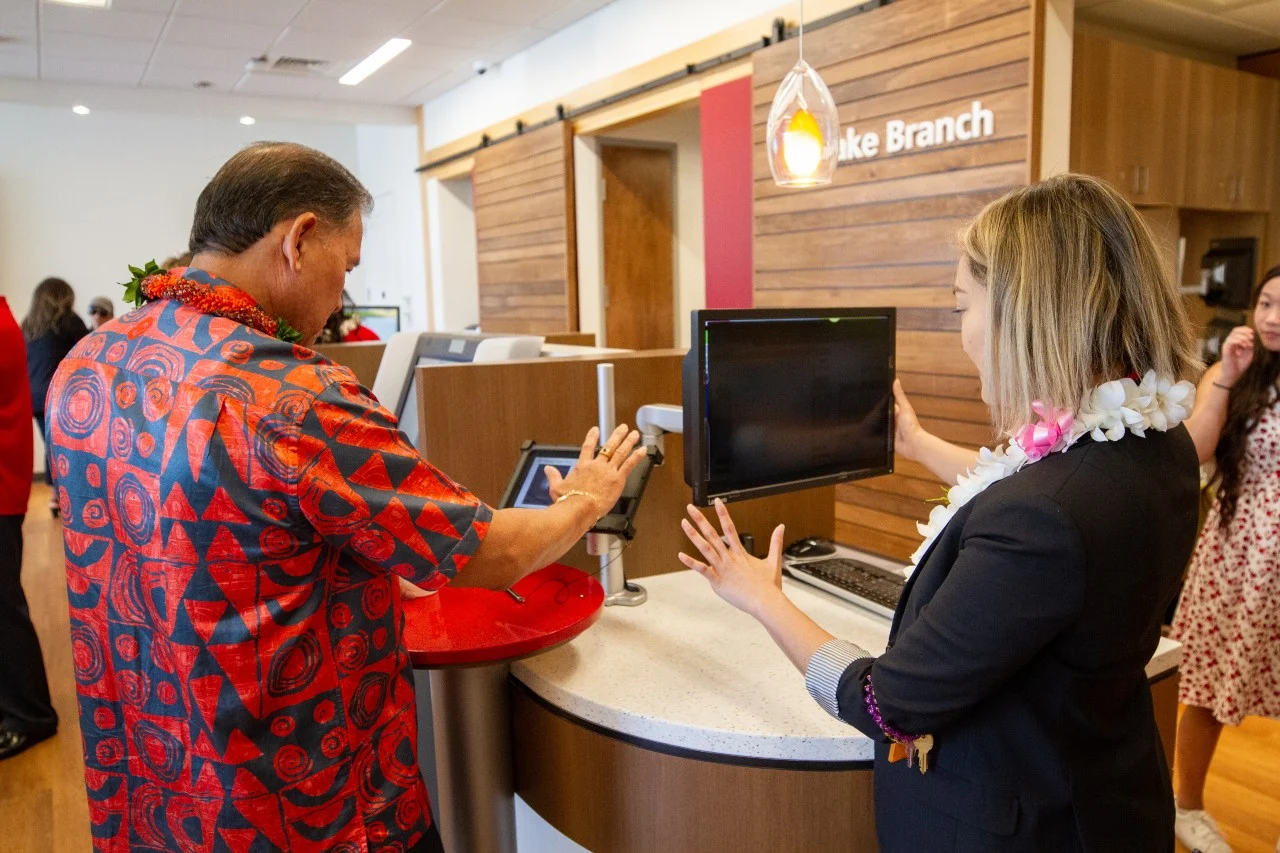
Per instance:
x=804, y=127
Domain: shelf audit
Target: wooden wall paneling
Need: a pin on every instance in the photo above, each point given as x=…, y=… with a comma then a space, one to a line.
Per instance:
x=525, y=234
x=553, y=401
x=886, y=231
x=611, y=796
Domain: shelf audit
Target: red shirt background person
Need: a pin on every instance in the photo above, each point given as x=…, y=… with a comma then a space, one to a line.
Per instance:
x=26, y=714
x=239, y=516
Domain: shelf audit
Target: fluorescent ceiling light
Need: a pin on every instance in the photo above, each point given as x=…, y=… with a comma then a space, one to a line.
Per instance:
x=80, y=110
x=248, y=120
x=374, y=61
x=95, y=4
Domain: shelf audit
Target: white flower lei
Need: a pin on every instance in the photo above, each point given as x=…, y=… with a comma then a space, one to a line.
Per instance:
x=1110, y=412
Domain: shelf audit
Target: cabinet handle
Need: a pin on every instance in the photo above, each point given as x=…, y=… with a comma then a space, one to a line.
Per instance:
x=1146, y=180
x=1240, y=189
x=1135, y=184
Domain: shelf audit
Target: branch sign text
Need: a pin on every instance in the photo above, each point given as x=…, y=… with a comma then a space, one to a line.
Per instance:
x=899, y=136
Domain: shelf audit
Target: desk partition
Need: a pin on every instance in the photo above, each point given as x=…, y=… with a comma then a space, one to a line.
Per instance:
x=475, y=417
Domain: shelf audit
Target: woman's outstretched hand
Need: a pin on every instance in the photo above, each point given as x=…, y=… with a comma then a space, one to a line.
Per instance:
x=748, y=583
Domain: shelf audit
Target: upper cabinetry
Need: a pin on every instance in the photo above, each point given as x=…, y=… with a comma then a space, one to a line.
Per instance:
x=1164, y=129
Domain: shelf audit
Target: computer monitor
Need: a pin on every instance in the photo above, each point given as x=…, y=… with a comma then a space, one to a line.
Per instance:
x=382, y=320
x=787, y=399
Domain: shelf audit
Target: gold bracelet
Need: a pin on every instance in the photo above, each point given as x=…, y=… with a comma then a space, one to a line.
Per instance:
x=578, y=493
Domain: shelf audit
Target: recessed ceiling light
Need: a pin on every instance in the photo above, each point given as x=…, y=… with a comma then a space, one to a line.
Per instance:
x=93, y=4
x=248, y=120
x=374, y=61
x=80, y=110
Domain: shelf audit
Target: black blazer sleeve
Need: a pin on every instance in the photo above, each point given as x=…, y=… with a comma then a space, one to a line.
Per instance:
x=1017, y=581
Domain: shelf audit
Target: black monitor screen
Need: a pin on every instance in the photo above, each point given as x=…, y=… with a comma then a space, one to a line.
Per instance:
x=792, y=400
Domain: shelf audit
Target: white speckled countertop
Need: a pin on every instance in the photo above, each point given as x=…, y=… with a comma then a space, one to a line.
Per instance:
x=689, y=671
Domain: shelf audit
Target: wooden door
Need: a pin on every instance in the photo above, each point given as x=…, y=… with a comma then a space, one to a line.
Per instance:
x=1257, y=139
x=638, y=226
x=1212, y=126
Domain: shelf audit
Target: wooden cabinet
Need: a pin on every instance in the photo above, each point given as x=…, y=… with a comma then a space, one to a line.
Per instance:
x=1231, y=128
x=1259, y=100
x=1167, y=130
x=1129, y=118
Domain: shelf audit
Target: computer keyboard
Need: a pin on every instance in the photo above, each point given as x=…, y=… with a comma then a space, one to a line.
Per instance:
x=865, y=585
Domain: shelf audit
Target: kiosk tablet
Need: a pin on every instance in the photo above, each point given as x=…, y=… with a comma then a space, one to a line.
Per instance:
x=529, y=488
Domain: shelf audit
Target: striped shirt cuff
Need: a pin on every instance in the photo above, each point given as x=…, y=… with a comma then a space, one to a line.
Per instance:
x=828, y=663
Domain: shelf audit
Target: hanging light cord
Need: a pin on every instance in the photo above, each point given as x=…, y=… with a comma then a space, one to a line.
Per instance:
x=802, y=30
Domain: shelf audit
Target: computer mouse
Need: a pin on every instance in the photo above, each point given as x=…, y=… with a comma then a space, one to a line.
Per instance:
x=803, y=549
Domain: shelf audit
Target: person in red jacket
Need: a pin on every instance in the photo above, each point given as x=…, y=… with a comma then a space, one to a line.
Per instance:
x=26, y=714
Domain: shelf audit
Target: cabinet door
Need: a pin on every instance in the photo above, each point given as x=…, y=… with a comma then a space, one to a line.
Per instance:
x=1097, y=145
x=1156, y=128
x=1257, y=139
x=1128, y=119
x=1212, y=147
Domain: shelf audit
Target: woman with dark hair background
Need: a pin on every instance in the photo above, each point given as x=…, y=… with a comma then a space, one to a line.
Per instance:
x=51, y=328
x=1229, y=617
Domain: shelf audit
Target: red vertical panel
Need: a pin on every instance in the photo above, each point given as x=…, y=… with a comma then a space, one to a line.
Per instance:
x=726, y=193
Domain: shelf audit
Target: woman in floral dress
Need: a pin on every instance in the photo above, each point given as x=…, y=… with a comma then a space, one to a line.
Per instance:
x=1229, y=616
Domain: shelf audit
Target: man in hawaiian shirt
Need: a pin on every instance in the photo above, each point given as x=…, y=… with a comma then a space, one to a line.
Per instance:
x=239, y=516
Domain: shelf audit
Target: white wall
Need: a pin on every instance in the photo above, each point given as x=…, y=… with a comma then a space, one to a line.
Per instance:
x=622, y=35
x=683, y=130
x=84, y=197
x=392, y=259
x=454, y=268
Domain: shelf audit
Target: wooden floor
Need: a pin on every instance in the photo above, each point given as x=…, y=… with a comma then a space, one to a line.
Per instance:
x=43, y=806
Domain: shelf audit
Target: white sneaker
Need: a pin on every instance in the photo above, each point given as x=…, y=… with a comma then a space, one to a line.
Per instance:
x=1199, y=833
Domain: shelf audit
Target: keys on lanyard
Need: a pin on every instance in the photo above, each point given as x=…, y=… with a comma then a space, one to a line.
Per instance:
x=917, y=748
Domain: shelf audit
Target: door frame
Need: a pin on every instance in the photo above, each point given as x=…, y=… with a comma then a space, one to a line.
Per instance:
x=589, y=180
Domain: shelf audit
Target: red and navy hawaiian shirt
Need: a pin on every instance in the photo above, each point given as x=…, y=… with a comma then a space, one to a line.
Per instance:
x=236, y=510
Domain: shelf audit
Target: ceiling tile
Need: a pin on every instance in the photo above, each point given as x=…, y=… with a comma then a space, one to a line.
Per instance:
x=316, y=44
x=466, y=33
x=75, y=46
x=510, y=47
x=116, y=23
x=288, y=86
x=1183, y=26
x=1264, y=16
x=85, y=71
x=18, y=19
x=184, y=77
x=276, y=13
x=576, y=10
x=382, y=18
x=156, y=7
x=18, y=63
x=186, y=29
x=517, y=12
x=199, y=56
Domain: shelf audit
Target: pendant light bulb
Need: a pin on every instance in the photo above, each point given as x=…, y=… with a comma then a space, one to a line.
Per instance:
x=803, y=131
x=804, y=127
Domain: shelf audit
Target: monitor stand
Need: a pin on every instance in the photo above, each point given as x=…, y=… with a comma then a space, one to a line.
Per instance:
x=608, y=548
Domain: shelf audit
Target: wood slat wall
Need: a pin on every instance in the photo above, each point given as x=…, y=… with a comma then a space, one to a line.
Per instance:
x=525, y=236
x=885, y=232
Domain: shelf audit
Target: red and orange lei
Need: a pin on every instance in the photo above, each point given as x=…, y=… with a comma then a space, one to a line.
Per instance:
x=151, y=282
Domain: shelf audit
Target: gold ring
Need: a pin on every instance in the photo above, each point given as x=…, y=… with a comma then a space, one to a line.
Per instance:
x=606, y=453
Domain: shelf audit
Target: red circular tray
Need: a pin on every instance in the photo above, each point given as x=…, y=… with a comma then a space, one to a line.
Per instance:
x=459, y=626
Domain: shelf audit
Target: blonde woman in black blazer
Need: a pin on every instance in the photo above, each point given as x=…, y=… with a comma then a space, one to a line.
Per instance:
x=1016, y=658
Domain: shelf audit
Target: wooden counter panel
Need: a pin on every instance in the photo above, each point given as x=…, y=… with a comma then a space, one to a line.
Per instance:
x=614, y=797
x=480, y=414
x=362, y=358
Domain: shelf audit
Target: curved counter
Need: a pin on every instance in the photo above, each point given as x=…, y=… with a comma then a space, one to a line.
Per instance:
x=628, y=737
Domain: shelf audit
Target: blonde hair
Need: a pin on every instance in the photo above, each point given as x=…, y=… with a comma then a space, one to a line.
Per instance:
x=1076, y=296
